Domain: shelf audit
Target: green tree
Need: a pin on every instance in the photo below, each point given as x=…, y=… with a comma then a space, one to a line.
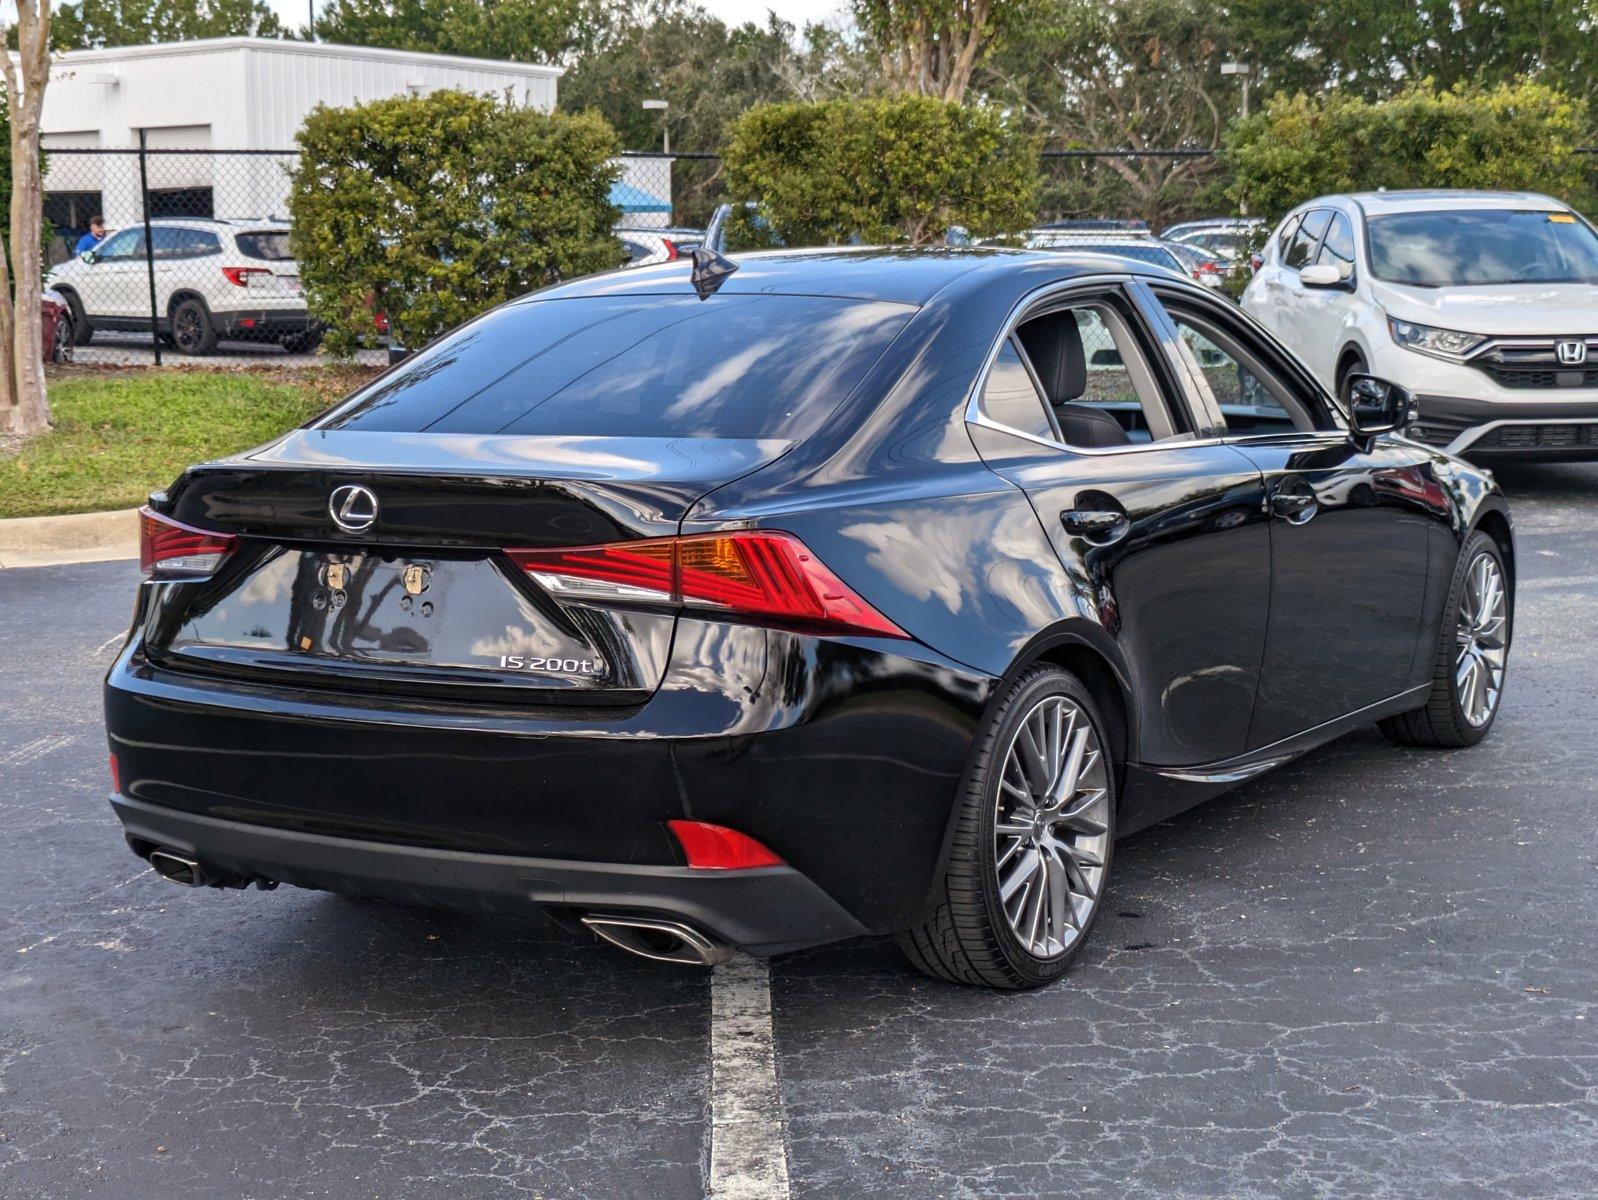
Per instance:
x=1519, y=136
x=511, y=30
x=895, y=169
x=432, y=209
x=1375, y=48
x=1132, y=74
x=933, y=47
x=92, y=23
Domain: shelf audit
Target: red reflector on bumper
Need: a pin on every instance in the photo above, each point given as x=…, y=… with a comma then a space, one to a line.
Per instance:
x=116, y=777
x=717, y=848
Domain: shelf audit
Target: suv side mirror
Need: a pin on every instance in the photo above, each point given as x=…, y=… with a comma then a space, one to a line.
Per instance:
x=1322, y=275
x=89, y=257
x=1376, y=406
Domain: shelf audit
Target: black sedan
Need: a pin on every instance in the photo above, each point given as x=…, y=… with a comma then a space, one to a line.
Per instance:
x=816, y=595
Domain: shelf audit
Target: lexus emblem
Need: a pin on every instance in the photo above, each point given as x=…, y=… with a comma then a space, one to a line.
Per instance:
x=353, y=508
x=1572, y=354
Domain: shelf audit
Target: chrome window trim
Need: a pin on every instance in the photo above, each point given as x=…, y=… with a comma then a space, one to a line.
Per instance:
x=1263, y=335
x=973, y=407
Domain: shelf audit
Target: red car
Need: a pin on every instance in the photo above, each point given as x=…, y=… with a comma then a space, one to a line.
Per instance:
x=55, y=323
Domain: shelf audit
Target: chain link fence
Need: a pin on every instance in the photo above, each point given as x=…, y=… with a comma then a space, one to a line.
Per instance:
x=193, y=263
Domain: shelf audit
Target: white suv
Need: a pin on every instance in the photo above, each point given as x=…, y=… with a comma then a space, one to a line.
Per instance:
x=214, y=280
x=1484, y=304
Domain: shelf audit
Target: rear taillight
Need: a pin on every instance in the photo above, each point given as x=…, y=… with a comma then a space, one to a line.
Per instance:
x=758, y=575
x=170, y=550
x=671, y=249
x=240, y=276
x=710, y=847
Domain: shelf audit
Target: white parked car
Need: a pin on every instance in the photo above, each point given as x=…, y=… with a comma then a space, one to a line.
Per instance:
x=214, y=280
x=1484, y=304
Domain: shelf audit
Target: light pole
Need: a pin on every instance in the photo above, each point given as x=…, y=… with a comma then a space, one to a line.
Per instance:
x=1243, y=69
x=660, y=106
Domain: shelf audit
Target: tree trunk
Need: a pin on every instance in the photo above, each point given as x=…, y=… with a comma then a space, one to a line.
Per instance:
x=24, y=407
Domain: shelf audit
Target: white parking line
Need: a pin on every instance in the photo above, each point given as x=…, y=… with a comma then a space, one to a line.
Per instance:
x=748, y=1152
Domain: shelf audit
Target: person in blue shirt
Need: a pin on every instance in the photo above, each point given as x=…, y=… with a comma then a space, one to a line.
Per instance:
x=94, y=237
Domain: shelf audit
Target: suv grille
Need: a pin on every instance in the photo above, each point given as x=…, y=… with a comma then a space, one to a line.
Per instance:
x=1539, y=375
x=1538, y=437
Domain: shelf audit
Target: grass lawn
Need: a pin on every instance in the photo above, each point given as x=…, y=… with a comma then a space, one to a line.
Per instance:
x=119, y=435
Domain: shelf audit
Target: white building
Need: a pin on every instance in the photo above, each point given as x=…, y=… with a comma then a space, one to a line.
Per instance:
x=224, y=94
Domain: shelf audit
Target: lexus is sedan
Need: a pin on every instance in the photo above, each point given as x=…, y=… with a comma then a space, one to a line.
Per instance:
x=757, y=605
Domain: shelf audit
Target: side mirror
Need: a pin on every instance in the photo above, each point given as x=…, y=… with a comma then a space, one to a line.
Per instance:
x=89, y=257
x=1376, y=406
x=1322, y=275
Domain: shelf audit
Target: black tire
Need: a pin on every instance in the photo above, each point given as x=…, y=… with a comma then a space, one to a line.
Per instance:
x=303, y=343
x=1353, y=365
x=1442, y=721
x=966, y=936
x=193, y=331
x=82, y=331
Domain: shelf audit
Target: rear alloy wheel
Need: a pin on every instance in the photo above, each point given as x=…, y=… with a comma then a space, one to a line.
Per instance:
x=61, y=345
x=1472, y=655
x=1031, y=853
x=192, y=329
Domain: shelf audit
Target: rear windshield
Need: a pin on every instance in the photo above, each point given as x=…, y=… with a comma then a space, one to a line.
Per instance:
x=738, y=366
x=1474, y=248
x=273, y=245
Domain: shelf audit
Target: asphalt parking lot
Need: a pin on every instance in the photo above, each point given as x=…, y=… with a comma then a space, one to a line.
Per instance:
x=1370, y=974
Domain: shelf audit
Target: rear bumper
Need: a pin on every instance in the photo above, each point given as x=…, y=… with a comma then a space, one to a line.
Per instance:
x=843, y=759
x=765, y=911
x=1529, y=430
x=263, y=323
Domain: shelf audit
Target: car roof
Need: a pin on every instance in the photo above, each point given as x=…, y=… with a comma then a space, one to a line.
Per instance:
x=236, y=224
x=894, y=274
x=1434, y=199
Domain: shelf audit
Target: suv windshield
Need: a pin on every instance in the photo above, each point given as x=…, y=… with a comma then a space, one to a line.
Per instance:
x=1489, y=246
x=732, y=366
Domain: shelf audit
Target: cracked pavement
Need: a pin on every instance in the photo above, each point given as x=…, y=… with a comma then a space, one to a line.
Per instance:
x=1371, y=973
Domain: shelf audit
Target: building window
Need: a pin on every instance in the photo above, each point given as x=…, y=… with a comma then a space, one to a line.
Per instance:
x=182, y=202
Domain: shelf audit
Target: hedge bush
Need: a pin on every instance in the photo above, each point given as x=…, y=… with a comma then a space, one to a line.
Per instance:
x=1515, y=136
x=893, y=169
x=431, y=209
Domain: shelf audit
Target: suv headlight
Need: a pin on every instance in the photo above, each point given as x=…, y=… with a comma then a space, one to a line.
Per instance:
x=1443, y=343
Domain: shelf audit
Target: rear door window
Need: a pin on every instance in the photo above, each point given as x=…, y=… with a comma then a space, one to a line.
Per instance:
x=733, y=366
x=1011, y=396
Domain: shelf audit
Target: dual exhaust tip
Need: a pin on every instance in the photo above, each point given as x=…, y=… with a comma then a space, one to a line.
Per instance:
x=179, y=867
x=657, y=938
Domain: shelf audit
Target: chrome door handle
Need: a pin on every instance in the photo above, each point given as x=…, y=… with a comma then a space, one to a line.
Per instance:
x=1295, y=507
x=1101, y=526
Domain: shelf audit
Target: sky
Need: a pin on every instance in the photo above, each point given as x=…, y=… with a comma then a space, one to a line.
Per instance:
x=293, y=12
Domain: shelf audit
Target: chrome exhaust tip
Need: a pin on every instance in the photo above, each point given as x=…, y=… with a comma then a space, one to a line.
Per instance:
x=660, y=939
x=179, y=868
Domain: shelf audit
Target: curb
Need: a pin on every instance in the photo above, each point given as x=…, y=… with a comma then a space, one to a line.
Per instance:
x=76, y=538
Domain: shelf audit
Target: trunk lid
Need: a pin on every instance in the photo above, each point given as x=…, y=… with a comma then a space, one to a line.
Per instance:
x=411, y=593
